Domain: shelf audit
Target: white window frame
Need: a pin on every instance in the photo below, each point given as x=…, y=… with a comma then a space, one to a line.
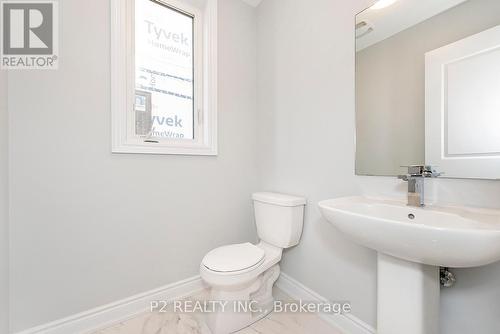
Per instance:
x=124, y=139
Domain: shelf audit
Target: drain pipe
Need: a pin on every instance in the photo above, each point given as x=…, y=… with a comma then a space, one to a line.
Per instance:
x=446, y=277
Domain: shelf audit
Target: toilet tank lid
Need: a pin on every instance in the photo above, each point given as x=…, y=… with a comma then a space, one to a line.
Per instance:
x=279, y=199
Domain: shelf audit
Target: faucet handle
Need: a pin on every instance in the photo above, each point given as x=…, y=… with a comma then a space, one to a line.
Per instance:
x=431, y=173
x=422, y=171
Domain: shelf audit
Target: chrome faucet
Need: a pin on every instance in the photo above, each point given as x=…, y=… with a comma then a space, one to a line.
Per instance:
x=415, y=178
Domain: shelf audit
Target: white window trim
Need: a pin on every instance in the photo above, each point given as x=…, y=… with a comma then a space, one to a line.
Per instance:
x=123, y=84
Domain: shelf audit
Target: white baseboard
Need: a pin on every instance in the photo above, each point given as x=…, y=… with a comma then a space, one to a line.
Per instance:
x=347, y=323
x=100, y=317
x=88, y=321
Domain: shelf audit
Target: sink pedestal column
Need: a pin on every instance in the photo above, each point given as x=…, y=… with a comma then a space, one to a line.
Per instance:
x=408, y=297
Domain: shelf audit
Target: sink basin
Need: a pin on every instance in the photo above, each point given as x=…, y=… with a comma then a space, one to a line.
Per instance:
x=432, y=235
x=412, y=243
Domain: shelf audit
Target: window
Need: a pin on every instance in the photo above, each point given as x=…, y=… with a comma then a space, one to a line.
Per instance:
x=164, y=73
x=164, y=77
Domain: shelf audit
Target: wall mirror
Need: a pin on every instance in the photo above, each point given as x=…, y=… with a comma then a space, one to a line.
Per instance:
x=428, y=87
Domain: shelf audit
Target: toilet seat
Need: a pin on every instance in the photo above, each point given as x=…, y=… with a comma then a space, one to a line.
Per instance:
x=234, y=258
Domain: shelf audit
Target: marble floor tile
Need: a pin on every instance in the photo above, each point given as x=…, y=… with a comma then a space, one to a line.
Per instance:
x=279, y=323
x=181, y=323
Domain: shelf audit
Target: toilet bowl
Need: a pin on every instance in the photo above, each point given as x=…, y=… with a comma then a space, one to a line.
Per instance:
x=241, y=276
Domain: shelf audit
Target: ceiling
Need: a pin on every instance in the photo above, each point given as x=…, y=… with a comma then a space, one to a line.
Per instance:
x=401, y=15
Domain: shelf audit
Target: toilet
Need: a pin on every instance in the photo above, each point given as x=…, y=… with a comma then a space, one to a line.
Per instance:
x=242, y=275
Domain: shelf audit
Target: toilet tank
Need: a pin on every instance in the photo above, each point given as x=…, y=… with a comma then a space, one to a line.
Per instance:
x=279, y=218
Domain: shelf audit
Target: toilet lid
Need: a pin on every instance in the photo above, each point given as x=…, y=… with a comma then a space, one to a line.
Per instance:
x=233, y=257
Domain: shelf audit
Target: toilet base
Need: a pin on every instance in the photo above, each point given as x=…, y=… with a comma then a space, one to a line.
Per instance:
x=245, y=306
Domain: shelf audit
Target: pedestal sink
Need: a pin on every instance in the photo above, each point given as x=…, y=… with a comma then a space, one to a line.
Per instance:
x=412, y=243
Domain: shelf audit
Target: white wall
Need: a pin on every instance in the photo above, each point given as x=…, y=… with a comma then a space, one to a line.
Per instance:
x=89, y=227
x=473, y=305
x=306, y=141
x=306, y=137
x=4, y=233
